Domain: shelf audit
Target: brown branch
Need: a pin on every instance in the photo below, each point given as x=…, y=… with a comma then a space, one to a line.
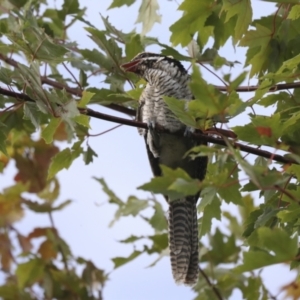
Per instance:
x=131, y=112
x=201, y=136
x=70, y=90
x=253, y=88
x=212, y=286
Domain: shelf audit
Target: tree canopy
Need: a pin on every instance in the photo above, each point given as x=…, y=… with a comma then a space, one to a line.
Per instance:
x=46, y=97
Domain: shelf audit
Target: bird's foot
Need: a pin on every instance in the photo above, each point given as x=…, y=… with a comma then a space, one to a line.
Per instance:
x=151, y=125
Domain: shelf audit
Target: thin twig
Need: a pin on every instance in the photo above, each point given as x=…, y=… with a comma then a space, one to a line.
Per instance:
x=64, y=259
x=213, y=73
x=106, y=131
x=68, y=70
x=213, y=287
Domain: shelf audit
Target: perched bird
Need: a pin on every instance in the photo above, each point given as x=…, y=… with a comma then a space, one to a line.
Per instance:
x=165, y=76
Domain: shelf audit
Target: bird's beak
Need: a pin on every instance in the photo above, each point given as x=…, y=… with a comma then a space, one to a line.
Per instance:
x=131, y=66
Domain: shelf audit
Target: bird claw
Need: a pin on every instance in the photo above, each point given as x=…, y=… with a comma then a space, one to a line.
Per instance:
x=151, y=125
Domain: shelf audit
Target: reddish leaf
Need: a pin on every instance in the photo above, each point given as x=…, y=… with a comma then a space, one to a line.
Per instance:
x=24, y=243
x=39, y=231
x=61, y=133
x=47, y=250
x=264, y=131
x=5, y=251
x=10, y=208
x=33, y=165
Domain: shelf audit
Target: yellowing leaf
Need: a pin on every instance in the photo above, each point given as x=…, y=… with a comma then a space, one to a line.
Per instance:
x=47, y=250
x=292, y=290
x=33, y=169
x=85, y=99
x=148, y=15
x=294, y=12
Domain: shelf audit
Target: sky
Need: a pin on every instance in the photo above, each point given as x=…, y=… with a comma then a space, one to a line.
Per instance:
x=122, y=161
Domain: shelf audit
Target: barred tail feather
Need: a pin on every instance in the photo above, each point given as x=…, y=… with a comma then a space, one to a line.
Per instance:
x=183, y=241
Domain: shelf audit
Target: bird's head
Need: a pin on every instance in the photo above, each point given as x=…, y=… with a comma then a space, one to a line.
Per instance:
x=146, y=61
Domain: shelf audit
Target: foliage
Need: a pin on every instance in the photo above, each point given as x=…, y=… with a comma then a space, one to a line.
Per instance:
x=37, y=97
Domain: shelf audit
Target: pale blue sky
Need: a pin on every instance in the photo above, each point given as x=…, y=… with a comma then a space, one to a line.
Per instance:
x=123, y=163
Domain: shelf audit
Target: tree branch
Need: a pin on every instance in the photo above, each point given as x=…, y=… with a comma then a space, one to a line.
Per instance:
x=212, y=286
x=205, y=137
x=131, y=112
x=253, y=88
x=70, y=90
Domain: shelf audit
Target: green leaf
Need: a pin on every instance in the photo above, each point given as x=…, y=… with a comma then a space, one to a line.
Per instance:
x=231, y=192
x=158, y=220
x=243, y=11
x=294, y=12
x=259, y=50
x=3, y=136
x=82, y=120
x=88, y=155
x=174, y=183
x=70, y=7
x=193, y=20
x=64, y=159
x=263, y=130
x=148, y=15
x=98, y=58
x=209, y=101
x=49, y=130
x=45, y=207
x=131, y=239
x=6, y=75
x=51, y=191
x=229, y=253
x=119, y=3
x=31, y=113
x=30, y=272
x=133, y=206
x=211, y=210
x=113, y=198
x=208, y=194
x=83, y=78
x=120, y=261
x=160, y=243
x=290, y=214
x=110, y=47
x=273, y=246
x=36, y=44
x=284, y=1
x=179, y=110
x=133, y=46
x=85, y=99
x=252, y=289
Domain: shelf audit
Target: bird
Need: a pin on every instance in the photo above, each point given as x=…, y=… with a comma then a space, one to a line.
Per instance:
x=166, y=76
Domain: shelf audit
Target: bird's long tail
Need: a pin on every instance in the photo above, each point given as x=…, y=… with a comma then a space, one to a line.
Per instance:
x=183, y=240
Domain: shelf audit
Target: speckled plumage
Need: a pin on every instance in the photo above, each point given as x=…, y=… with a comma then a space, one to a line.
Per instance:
x=166, y=76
